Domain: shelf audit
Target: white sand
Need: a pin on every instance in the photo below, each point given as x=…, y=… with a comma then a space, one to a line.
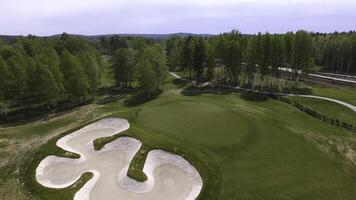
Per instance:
x=169, y=176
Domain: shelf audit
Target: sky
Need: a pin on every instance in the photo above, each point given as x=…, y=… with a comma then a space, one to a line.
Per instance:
x=94, y=17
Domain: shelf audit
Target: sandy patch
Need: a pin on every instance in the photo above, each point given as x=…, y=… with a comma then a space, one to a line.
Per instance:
x=169, y=176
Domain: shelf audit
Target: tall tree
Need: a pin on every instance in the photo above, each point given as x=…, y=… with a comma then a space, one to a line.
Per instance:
x=41, y=86
x=233, y=60
x=76, y=83
x=91, y=70
x=173, y=50
x=266, y=56
x=210, y=62
x=4, y=78
x=152, y=68
x=251, y=60
x=278, y=54
x=124, y=62
x=199, y=58
x=289, y=48
x=302, y=60
x=187, y=55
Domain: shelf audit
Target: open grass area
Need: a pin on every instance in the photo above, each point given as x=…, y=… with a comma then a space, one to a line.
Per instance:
x=347, y=94
x=328, y=108
x=271, y=157
x=243, y=149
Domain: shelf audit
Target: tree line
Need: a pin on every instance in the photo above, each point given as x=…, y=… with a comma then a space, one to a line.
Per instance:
x=336, y=52
x=46, y=71
x=243, y=59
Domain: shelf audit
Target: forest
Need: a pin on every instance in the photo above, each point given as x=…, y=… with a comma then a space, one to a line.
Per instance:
x=242, y=56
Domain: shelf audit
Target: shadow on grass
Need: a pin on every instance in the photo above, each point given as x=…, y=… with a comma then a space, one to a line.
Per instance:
x=298, y=90
x=142, y=97
x=253, y=96
x=180, y=83
x=110, y=99
x=197, y=90
x=24, y=115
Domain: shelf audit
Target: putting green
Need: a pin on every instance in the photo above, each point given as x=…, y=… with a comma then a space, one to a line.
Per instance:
x=185, y=120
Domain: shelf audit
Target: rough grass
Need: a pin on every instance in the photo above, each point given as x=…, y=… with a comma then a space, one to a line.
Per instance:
x=328, y=108
x=347, y=94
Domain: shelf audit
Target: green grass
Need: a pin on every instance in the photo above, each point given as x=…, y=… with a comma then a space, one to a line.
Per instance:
x=328, y=108
x=267, y=159
x=187, y=125
x=242, y=149
x=347, y=94
x=274, y=157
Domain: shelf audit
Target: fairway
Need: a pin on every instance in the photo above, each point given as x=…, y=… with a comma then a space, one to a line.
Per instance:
x=202, y=123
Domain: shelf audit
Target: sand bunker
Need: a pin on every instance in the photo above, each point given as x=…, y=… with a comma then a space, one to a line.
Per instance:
x=169, y=176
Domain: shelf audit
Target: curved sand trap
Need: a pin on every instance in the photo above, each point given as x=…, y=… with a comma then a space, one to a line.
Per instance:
x=169, y=176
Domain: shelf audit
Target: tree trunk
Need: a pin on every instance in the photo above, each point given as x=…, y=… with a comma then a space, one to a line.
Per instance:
x=190, y=72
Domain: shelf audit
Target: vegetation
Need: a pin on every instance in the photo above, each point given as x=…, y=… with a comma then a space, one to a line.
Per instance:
x=266, y=146
x=44, y=72
x=257, y=60
x=334, y=110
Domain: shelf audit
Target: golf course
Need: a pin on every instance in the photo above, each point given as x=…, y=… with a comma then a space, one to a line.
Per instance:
x=100, y=115
x=242, y=148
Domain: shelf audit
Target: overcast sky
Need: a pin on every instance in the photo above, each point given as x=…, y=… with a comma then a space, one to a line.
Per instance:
x=47, y=17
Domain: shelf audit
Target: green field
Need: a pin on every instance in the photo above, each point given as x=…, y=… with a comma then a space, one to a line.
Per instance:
x=328, y=108
x=347, y=94
x=243, y=149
